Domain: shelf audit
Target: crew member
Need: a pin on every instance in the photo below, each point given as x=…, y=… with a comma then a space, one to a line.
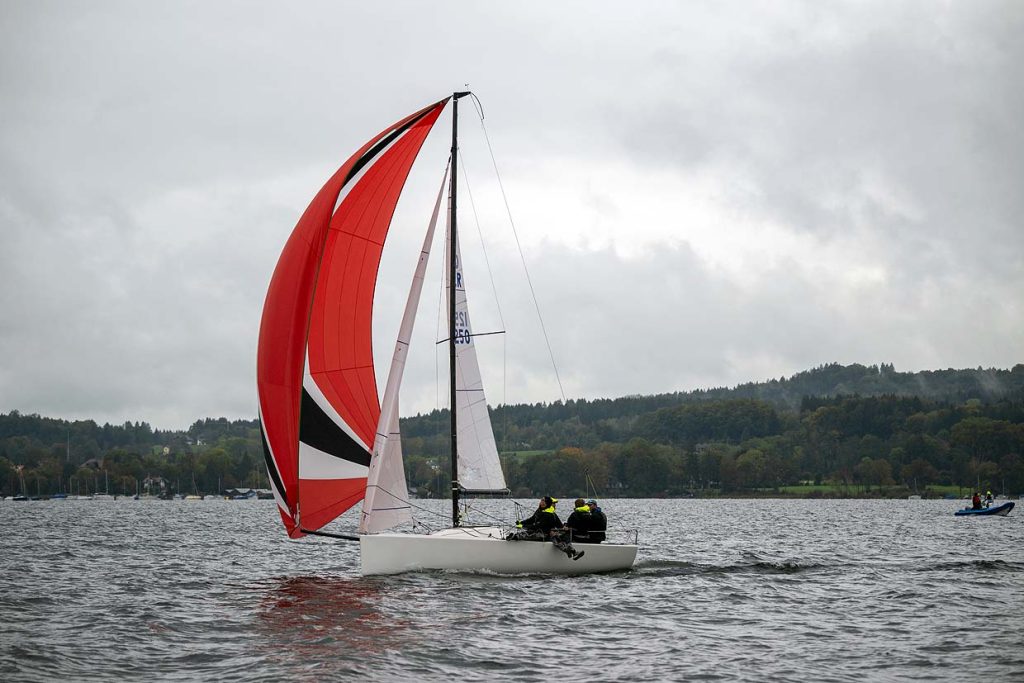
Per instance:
x=598, y=522
x=579, y=522
x=544, y=519
x=544, y=525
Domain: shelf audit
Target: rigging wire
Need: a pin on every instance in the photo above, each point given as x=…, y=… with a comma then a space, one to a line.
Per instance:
x=536, y=304
x=483, y=245
x=444, y=515
x=522, y=257
x=437, y=325
x=500, y=520
x=497, y=302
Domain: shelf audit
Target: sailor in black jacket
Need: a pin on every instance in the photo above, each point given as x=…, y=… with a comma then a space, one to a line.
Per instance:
x=580, y=522
x=544, y=519
x=598, y=523
x=544, y=525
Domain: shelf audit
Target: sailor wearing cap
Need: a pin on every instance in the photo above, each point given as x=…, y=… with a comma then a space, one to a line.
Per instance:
x=598, y=522
x=544, y=525
x=544, y=519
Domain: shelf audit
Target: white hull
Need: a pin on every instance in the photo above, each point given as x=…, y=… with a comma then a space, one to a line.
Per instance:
x=484, y=549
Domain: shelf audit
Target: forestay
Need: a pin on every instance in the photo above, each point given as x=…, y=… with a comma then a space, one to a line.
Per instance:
x=386, y=504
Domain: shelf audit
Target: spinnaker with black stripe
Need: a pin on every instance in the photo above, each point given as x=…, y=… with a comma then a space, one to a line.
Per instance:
x=318, y=400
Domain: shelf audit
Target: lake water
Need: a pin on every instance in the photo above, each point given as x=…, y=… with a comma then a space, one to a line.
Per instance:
x=752, y=590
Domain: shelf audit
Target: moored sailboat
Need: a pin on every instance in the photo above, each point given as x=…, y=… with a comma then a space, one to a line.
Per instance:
x=329, y=440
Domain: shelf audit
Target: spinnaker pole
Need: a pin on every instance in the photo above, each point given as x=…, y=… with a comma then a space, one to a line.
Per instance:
x=451, y=306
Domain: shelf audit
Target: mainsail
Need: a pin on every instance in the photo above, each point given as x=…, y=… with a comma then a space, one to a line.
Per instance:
x=319, y=408
x=479, y=464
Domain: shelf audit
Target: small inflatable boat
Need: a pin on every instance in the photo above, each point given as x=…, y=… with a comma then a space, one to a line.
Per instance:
x=1000, y=510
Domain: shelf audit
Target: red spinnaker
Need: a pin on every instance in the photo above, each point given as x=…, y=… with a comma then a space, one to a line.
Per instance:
x=321, y=299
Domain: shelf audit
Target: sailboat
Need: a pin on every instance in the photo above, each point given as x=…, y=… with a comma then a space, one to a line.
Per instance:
x=330, y=441
x=105, y=495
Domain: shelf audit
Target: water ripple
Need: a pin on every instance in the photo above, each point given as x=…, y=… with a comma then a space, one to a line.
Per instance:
x=722, y=590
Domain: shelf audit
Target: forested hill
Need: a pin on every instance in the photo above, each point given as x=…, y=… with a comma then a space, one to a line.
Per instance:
x=558, y=423
x=587, y=422
x=859, y=380
x=850, y=423
x=786, y=394
x=825, y=381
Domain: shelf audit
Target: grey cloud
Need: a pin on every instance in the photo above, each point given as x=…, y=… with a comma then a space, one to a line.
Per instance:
x=154, y=157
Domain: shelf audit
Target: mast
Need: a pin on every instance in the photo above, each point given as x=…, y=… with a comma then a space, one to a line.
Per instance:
x=451, y=308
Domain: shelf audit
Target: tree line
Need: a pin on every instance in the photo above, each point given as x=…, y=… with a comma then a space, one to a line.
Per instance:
x=863, y=428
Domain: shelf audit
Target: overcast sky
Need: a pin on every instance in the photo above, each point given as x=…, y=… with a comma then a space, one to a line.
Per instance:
x=705, y=193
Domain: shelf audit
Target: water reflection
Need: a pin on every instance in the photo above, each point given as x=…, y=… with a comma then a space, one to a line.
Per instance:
x=330, y=622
